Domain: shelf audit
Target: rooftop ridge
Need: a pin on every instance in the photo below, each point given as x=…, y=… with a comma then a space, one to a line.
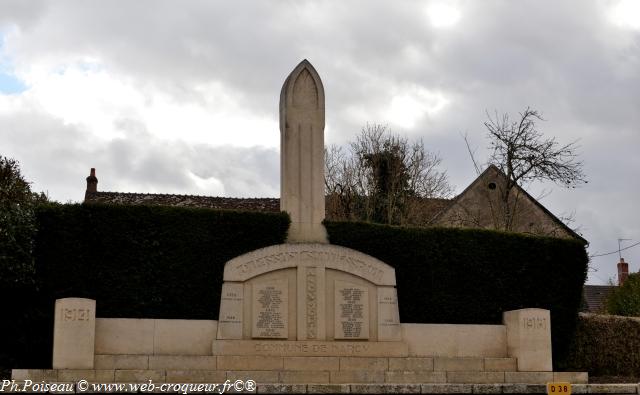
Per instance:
x=180, y=195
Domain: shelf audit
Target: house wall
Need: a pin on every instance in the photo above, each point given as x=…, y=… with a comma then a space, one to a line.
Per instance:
x=482, y=207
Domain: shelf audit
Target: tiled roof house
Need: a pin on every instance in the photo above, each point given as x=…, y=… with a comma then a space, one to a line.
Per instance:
x=468, y=209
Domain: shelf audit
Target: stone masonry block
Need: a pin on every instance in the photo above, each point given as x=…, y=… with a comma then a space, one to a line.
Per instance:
x=195, y=376
x=415, y=377
x=444, y=364
x=311, y=363
x=613, y=388
x=385, y=388
x=34, y=374
x=487, y=388
x=357, y=376
x=528, y=377
x=475, y=377
x=74, y=332
x=129, y=362
x=99, y=376
x=328, y=388
x=301, y=376
x=579, y=388
x=447, y=388
x=500, y=365
x=364, y=363
x=259, y=376
x=138, y=376
x=181, y=362
x=184, y=337
x=237, y=362
x=529, y=339
x=571, y=377
x=281, y=389
x=124, y=336
x=412, y=363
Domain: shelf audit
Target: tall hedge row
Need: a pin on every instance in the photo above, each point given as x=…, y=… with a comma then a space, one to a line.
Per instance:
x=468, y=276
x=136, y=261
x=605, y=345
x=146, y=261
x=167, y=262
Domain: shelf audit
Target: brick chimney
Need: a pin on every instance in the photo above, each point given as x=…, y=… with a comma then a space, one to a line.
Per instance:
x=623, y=271
x=92, y=184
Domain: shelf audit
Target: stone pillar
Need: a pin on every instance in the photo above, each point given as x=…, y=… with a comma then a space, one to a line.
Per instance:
x=529, y=339
x=302, y=154
x=74, y=333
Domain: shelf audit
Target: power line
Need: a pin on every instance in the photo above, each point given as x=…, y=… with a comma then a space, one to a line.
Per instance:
x=616, y=251
x=620, y=241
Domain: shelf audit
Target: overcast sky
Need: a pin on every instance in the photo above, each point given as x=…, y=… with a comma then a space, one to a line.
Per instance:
x=182, y=96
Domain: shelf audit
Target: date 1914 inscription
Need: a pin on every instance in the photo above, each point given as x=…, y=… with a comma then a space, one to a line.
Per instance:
x=76, y=314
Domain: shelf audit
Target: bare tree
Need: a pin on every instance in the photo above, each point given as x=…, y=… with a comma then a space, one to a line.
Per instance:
x=340, y=183
x=522, y=153
x=520, y=150
x=382, y=178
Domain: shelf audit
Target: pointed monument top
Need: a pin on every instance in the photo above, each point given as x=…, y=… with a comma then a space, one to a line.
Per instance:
x=311, y=87
x=305, y=62
x=302, y=154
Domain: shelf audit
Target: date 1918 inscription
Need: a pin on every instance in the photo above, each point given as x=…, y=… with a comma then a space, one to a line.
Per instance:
x=534, y=323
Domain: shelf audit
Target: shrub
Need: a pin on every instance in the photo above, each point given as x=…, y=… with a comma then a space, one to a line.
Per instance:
x=605, y=345
x=17, y=225
x=146, y=261
x=167, y=262
x=625, y=300
x=471, y=276
x=17, y=287
x=136, y=261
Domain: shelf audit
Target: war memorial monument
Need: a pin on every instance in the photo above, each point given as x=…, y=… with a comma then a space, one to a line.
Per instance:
x=304, y=316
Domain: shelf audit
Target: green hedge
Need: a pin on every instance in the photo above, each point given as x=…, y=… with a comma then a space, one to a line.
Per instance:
x=167, y=262
x=606, y=345
x=146, y=261
x=136, y=261
x=625, y=300
x=470, y=276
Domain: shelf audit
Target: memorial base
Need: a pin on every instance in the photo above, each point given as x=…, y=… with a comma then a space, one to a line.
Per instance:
x=310, y=348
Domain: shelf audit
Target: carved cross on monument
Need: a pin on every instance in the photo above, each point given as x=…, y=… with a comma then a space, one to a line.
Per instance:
x=302, y=154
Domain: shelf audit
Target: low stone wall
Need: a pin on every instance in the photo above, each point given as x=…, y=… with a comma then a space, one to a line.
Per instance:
x=125, y=336
x=446, y=340
x=154, y=349
x=154, y=337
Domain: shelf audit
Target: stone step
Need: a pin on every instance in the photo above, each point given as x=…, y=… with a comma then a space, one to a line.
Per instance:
x=303, y=348
x=246, y=362
x=392, y=388
x=297, y=376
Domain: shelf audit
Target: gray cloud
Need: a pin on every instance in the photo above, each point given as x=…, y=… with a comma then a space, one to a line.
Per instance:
x=563, y=58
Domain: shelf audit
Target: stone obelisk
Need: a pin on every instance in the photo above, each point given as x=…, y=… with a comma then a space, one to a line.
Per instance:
x=302, y=154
